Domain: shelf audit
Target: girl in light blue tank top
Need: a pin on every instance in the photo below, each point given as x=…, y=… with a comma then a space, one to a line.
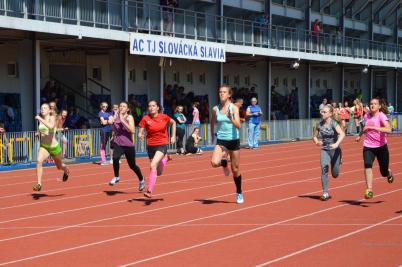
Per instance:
x=227, y=120
x=225, y=129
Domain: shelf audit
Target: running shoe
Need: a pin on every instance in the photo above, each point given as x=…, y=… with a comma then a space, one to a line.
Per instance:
x=390, y=178
x=104, y=163
x=368, y=194
x=114, y=181
x=111, y=162
x=148, y=194
x=325, y=196
x=141, y=185
x=37, y=187
x=239, y=198
x=66, y=175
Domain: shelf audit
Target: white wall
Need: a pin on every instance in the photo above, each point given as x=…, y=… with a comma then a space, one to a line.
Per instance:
x=258, y=74
x=333, y=79
x=8, y=53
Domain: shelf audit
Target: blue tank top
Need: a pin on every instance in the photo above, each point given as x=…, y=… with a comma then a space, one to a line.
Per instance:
x=225, y=128
x=255, y=119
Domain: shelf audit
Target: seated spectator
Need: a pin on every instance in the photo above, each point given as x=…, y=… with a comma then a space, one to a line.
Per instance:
x=192, y=143
x=4, y=145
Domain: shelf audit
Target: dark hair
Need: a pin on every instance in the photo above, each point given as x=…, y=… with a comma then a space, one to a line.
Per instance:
x=128, y=106
x=383, y=104
x=157, y=104
x=196, y=128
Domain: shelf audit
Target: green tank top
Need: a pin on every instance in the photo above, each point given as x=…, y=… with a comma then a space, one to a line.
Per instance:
x=45, y=130
x=225, y=128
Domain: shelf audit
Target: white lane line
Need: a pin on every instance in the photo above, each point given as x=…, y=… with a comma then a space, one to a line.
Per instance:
x=244, y=233
x=120, y=226
x=194, y=220
x=329, y=241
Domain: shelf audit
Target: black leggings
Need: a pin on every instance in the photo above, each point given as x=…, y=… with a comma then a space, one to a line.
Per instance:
x=129, y=152
x=180, y=134
x=382, y=155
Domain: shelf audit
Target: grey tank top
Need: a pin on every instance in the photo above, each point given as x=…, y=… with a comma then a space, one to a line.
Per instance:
x=327, y=133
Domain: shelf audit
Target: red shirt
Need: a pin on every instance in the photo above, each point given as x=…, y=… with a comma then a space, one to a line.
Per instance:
x=157, y=134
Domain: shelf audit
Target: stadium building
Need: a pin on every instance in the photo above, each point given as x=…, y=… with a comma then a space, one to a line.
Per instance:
x=85, y=51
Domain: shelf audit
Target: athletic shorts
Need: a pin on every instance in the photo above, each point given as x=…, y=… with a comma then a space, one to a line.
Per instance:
x=231, y=145
x=53, y=150
x=151, y=150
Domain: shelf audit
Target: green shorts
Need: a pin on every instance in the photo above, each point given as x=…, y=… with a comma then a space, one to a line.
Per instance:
x=53, y=150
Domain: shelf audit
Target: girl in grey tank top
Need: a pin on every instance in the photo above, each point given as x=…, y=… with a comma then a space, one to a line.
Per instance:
x=328, y=135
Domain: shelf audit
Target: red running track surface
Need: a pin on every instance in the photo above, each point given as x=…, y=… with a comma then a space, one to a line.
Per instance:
x=193, y=219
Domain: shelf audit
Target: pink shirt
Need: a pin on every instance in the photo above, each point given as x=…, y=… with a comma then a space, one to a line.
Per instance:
x=196, y=115
x=375, y=138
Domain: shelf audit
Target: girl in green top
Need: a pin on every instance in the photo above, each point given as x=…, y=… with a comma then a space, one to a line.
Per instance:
x=48, y=145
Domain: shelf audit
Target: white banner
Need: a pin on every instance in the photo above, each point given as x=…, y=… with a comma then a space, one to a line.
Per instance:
x=164, y=46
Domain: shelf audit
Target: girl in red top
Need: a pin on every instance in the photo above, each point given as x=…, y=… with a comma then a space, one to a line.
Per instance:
x=156, y=124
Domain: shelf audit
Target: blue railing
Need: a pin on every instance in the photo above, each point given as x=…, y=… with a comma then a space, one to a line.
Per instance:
x=133, y=16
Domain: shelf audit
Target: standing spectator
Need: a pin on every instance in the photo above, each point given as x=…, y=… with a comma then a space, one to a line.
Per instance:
x=324, y=103
x=254, y=113
x=315, y=31
x=61, y=128
x=242, y=113
x=357, y=114
x=105, y=131
x=180, y=128
x=391, y=109
x=196, y=115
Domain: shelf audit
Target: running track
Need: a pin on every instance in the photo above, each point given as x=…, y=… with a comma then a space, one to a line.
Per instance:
x=194, y=221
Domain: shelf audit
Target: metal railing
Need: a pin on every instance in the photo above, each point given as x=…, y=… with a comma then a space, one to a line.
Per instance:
x=22, y=147
x=134, y=16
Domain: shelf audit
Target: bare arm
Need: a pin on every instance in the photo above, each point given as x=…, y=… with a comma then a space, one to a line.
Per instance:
x=385, y=129
x=315, y=137
x=341, y=136
x=141, y=134
x=235, y=117
x=173, y=137
x=130, y=124
x=213, y=119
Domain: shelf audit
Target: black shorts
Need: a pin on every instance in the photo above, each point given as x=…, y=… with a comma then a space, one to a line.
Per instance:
x=231, y=145
x=151, y=150
x=382, y=155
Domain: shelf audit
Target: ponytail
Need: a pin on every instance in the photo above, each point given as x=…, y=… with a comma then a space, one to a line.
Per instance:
x=383, y=105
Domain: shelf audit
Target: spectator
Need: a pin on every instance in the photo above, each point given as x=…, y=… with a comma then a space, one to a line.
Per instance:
x=61, y=128
x=391, y=109
x=192, y=143
x=180, y=128
x=4, y=145
x=324, y=103
x=196, y=115
x=242, y=113
x=254, y=113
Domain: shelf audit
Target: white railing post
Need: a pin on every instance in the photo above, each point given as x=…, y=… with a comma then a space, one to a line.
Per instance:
x=78, y=12
x=94, y=12
x=61, y=11
x=108, y=13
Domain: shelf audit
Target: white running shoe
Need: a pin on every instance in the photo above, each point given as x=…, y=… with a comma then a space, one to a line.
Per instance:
x=114, y=181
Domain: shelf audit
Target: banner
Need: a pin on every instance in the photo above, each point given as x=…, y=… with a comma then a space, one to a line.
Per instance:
x=165, y=46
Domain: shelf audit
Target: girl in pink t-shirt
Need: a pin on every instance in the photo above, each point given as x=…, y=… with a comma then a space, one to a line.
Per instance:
x=375, y=143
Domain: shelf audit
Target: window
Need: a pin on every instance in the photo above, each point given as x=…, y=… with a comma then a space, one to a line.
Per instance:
x=202, y=78
x=247, y=80
x=190, y=77
x=176, y=77
x=317, y=83
x=237, y=80
x=285, y=82
x=226, y=79
x=144, y=75
x=132, y=75
x=325, y=84
x=294, y=82
x=12, y=69
x=97, y=73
